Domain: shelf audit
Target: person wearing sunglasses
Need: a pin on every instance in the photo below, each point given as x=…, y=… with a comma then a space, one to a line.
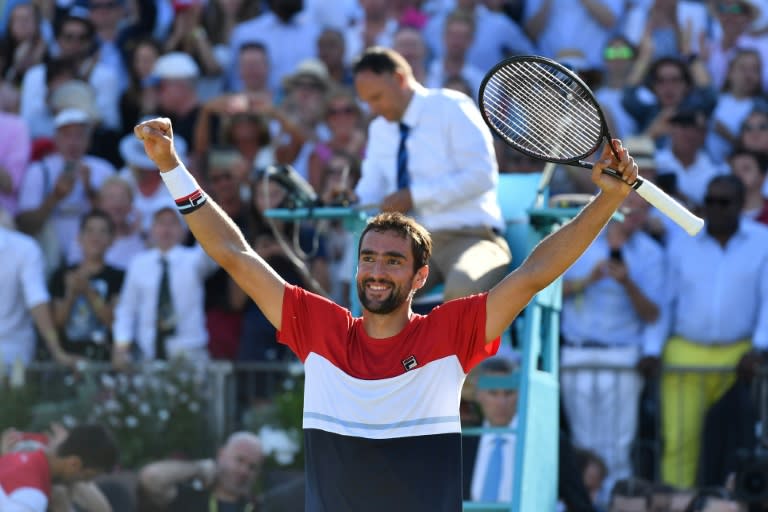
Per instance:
x=716, y=284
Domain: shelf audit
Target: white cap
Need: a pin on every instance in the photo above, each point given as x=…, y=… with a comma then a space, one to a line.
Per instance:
x=71, y=116
x=175, y=65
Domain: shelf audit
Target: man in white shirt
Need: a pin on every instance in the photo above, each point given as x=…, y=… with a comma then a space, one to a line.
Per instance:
x=58, y=189
x=431, y=155
x=612, y=294
x=24, y=302
x=140, y=317
x=717, y=286
x=490, y=458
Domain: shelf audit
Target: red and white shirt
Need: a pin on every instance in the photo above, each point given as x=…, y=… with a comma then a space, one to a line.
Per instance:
x=25, y=482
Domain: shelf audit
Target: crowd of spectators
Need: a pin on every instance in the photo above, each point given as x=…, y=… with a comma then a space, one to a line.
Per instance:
x=248, y=85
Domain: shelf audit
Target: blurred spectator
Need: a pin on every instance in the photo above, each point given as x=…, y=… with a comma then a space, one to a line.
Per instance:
x=607, y=309
x=429, y=154
x=594, y=472
x=716, y=285
x=115, y=198
x=458, y=33
x=375, y=27
x=713, y=499
x=303, y=106
x=751, y=168
x=225, y=482
x=489, y=458
x=23, y=45
x=223, y=310
x=686, y=157
x=61, y=187
x=140, y=96
x=27, y=478
x=110, y=20
x=735, y=19
x=241, y=122
x=630, y=495
x=754, y=130
x=15, y=151
x=331, y=52
x=220, y=19
x=76, y=40
x=177, y=99
x=189, y=36
x=496, y=37
x=618, y=59
x=409, y=42
x=658, y=89
x=26, y=303
x=740, y=92
x=254, y=68
x=288, y=35
x=162, y=285
x=551, y=30
x=140, y=172
x=665, y=23
x=84, y=295
x=345, y=122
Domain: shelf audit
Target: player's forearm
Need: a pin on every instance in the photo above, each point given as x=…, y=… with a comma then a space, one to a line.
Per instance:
x=159, y=479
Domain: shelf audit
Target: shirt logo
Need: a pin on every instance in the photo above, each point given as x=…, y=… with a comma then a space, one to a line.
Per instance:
x=410, y=362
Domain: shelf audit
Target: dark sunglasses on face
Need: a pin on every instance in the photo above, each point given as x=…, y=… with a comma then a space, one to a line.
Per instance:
x=104, y=5
x=722, y=202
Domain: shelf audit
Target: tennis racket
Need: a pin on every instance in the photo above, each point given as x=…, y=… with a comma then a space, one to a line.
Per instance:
x=544, y=110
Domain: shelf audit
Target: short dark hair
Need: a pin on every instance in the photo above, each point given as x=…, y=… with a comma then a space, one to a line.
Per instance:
x=421, y=241
x=732, y=181
x=496, y=364
x=633, y=488
x=253, y=45
x=93, y=444
x=97, y=214
x=380, y=60
x=760, y=157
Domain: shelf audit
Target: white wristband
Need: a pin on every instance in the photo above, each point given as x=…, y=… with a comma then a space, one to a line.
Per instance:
x=184, y=189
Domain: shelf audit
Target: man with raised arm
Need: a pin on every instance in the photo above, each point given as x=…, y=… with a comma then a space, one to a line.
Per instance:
x=381, y=397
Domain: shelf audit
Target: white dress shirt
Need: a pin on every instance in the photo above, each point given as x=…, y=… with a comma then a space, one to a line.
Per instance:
x=484, y=449
x=136, y=311
x=22, y=287
x=720, y=294
x=451, y=162
x=287, y=45
x=692, y=181
x=604, y=311
x=39, y=181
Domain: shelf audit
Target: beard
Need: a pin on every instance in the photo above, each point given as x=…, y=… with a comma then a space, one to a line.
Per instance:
x=397, y=296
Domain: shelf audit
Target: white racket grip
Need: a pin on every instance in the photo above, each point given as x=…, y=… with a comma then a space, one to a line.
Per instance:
x=669, y=207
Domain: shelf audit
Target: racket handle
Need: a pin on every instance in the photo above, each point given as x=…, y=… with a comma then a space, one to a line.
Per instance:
x=668, y=206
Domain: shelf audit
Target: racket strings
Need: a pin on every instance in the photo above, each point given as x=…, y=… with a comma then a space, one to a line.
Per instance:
x=542, y=110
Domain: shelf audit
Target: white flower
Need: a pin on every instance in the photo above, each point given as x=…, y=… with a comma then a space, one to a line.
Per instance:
x=144, y=409
x=183, y=397
x=133, y=398
x=112, y=405
x=68, y=421
x=193, y=407
x=163, y=415
x=295, y=369
x=289, y=384
x=107, y=381
x=131, y=422
x=69, y=380
x=138, y=381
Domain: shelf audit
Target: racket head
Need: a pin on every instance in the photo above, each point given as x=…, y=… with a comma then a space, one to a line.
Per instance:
x=542, y=109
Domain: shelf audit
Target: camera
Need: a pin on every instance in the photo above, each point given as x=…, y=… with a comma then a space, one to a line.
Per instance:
x=300, y=193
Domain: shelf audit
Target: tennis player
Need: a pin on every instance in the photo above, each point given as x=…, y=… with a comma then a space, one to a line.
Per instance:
x=381, y=402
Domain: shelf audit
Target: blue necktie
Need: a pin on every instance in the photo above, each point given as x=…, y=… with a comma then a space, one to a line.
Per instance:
x=403, y=179
x=492, y=483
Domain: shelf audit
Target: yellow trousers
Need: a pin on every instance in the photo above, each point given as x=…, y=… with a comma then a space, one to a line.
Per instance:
x=685, y=398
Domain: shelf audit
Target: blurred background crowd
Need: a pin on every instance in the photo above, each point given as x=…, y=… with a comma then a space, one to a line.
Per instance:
x=663, y=335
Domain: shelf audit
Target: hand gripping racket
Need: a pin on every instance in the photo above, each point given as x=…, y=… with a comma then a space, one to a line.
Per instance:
x=542, y=109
